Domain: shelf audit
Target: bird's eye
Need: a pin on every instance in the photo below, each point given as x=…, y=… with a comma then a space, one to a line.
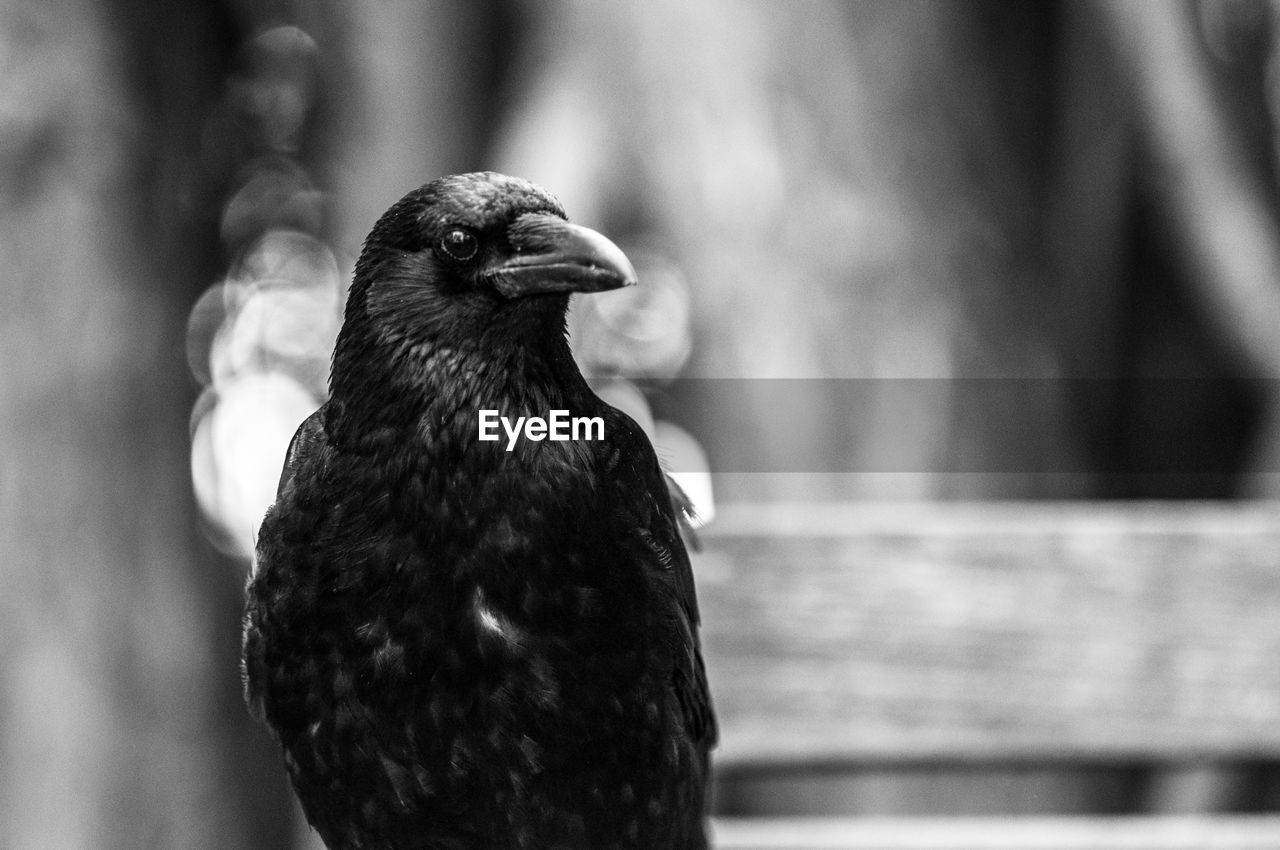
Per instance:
x=460, y=244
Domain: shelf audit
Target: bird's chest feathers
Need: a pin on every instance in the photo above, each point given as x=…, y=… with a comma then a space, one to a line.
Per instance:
x=510, y=434
x=511, y=517
x=507, y=553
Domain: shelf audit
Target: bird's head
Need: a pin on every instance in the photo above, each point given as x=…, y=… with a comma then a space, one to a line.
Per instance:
x=471, y=259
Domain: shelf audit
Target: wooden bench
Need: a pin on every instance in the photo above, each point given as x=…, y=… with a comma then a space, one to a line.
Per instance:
x=852, y=635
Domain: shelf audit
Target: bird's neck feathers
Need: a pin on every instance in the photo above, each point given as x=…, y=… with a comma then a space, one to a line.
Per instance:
x=519, y=363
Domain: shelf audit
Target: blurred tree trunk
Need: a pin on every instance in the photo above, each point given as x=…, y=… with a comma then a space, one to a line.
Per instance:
x=120, y=722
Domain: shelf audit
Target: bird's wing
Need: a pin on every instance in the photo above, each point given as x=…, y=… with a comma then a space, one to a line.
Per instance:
x=689, y=677
x=307, y=441
x=658, y=516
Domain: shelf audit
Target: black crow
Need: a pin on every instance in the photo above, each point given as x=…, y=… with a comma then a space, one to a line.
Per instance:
x=478, y=643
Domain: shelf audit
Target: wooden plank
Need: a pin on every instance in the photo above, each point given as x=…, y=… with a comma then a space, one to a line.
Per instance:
x=1121, y=833
x=994, y=632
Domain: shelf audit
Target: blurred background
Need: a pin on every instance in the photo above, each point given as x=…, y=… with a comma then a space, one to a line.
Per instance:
x=890, y=251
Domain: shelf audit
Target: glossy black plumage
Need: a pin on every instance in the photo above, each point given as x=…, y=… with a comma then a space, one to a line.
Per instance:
x=460, y=646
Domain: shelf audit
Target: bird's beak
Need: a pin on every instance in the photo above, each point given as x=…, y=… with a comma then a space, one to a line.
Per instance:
x=552, y=255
